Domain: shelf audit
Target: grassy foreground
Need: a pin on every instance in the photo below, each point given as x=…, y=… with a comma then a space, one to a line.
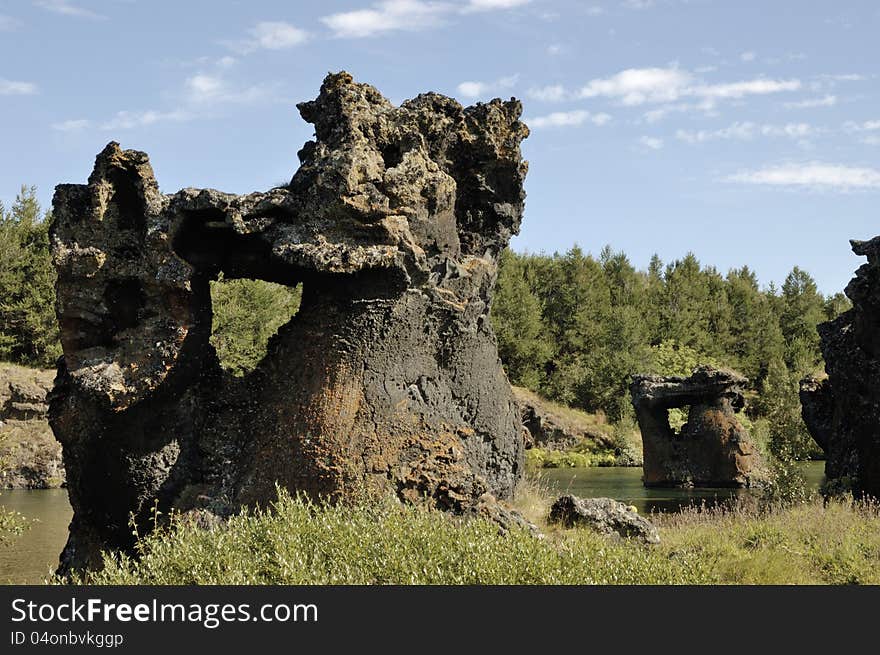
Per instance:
x=297, y=542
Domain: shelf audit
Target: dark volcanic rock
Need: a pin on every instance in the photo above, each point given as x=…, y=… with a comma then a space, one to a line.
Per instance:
x=842, y=412
x=712, y=449
x=604, y=515
x=388, y=378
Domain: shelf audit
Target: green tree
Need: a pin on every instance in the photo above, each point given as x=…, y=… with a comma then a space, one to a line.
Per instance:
x=803, y=308
x=246, y=315
x=28, y=328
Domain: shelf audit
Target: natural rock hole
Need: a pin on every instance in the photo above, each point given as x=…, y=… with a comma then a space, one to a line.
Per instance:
x=246, y=314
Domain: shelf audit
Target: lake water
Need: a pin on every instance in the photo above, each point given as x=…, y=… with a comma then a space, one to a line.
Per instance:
x=625, y=485
x=32, y=556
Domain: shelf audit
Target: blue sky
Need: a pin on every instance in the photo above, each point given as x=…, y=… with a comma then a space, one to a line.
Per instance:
x=745, y=131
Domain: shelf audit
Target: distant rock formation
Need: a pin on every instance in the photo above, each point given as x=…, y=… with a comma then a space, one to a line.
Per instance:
x=387, y=380
x=30, y=458
x=605, y=516
x=713, y=449
x=548, y=429
x=842, y=412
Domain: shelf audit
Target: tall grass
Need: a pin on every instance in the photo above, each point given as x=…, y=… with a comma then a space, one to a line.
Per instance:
x=298, y=542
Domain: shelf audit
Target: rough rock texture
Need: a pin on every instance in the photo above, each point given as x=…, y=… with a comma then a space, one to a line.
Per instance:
x=712, y=449
x=842, y=412
x=23, y=393
x=550, y=430
x=30, y=457
x=604, y=515
x=388, y=378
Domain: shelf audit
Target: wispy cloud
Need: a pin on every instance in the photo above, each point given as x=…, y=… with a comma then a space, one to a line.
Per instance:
x=75, y=125
x=812, y=175
x=491, y=5
x=269, y=35
x=746, y=131
x=407, y=16
x=66, y=8
x=203, y=88
x=552, y=93
x=15, y=88
x=126, y=120
x=824, y=101
x=481, y=89
x=749, y=55
x=651, y=142
x=639, y=4
x=387, y=16
x=639, y=86
x=567, y=119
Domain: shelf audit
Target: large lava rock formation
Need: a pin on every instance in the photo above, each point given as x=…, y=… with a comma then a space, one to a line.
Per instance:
x=842, y=412
x=388, y=378
x=713, y=448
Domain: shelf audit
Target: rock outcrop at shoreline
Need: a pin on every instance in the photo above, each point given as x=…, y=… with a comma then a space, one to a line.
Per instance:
x=387, y=380
x=30, y=458
x=842, y=412
x=713, y=449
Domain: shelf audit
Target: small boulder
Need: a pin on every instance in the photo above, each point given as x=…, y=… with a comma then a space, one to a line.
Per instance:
x=604, y=515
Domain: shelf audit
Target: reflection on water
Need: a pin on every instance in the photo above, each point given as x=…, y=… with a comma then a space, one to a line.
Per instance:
x=30, y=558
x=625, y=485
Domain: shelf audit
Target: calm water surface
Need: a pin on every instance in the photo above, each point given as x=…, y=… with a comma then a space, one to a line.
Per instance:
x=29, y=558
x=625, y=485
x=32, y=556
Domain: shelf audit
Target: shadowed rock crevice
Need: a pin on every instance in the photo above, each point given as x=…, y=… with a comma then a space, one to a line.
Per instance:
x=386, y=380
x=712, y=449
x=842, y=411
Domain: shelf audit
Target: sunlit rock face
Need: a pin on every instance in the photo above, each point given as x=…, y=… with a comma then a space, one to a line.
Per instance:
x=842, y=411
x=713, y=449
x=388, y=378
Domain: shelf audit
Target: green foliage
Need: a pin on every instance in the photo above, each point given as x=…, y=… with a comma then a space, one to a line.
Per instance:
x=552, y=459
x=575, y=328
x=298, y=542
x=246, y=315
x=28, y=329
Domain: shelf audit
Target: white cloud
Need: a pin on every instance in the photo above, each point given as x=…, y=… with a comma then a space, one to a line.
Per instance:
x=203, y=88
x=555, y=49
x=126, y=120
x=72, y=125
x=814, y=175
x=746, y=131
x=14, y=88
x=567, y=119
x=873, y=140
x=636, y=86
x=553, y=93
x=65, y=8
x=226, y=62
x=825, y=101
x=386, y=16
x=638, y=4
x=269, y=35
x=478, y=89
x=748, y=56
x=651, y=142
x=736, y=90
x=867, y=126
x=491, y=5
x=595, y=10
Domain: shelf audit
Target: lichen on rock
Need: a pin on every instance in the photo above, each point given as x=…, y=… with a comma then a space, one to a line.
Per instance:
x=388, y=377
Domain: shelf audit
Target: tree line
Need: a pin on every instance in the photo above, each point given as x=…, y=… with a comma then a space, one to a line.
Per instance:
x=574, y=328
